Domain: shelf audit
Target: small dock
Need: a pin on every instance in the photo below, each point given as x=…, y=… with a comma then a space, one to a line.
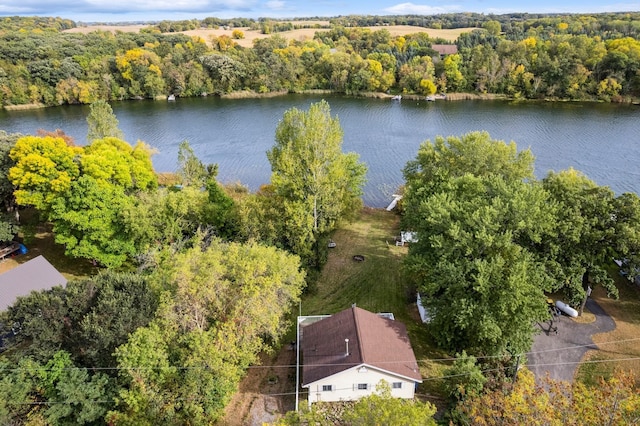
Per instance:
x=393, y=203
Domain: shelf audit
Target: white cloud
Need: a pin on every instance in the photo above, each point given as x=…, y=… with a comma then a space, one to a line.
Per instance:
x=170, y=5
x=275, y=4
x=420, y=9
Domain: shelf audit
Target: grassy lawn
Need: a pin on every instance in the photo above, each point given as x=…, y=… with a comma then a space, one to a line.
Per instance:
x=626, y=336
x=377, y=284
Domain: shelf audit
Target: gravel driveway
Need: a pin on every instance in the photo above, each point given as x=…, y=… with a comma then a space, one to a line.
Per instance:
x=559, y=354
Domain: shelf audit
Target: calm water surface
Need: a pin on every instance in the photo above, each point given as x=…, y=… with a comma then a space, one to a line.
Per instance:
x=601, y=140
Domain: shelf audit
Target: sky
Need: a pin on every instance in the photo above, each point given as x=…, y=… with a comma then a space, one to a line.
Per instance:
x=154, y=10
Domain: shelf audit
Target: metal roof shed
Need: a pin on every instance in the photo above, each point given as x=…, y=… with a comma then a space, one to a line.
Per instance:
x=35, y=275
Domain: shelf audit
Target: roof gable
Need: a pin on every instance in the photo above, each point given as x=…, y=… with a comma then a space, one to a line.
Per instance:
x=375, y=341
x=35, y=275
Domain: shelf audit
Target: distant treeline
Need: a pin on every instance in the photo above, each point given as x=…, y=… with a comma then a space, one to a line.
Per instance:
x=580, y=57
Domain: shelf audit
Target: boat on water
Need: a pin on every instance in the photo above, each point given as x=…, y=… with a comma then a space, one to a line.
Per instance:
x=397, y=98
x=171, y=97
x=430, y=98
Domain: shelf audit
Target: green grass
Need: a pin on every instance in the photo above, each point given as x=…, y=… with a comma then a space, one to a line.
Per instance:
x=376, y=284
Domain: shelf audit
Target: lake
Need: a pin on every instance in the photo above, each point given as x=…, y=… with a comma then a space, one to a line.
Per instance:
x=601, y=140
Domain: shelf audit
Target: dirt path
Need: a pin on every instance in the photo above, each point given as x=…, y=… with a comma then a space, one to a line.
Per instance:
x=266, y=392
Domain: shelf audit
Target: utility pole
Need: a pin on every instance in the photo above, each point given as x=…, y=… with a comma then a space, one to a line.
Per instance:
x=515, y=374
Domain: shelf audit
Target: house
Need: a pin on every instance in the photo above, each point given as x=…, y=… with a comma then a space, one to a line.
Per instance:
x=35, y=275
x=347, y=354
x=445, y=49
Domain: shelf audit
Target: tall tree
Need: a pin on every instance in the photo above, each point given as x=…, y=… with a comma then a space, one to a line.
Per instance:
x=475, y=214
x=483, y=289
x=102, y=122
x=473, y=153
x=55, y=392
x=190, y=169
x=318, y=183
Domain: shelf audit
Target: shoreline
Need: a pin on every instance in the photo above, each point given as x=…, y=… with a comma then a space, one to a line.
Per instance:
x=461, y=96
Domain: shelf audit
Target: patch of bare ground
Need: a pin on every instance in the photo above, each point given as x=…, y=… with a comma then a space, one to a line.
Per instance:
x=266, y=392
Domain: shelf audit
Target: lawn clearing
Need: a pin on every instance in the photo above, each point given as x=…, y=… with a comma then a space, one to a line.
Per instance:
x=375, y=284
x=619, y=347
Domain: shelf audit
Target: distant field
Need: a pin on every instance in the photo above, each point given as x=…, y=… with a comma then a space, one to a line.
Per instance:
x=299, y=34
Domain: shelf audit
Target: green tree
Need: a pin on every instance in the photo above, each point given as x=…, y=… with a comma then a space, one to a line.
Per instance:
x=222, y=211
x=585, y=239
x=88, y=318
x=482, y=287
x=473, y=153
x=493, y=27
x=87, y=221
x=83, y=191
x=190, y=169
x=383, y=409
x=55, y=392
x=220, y=306
x=475, y=215
x=627, y=222
x=464, y=378
x=318, y=184
x=102, y=122
x=163, y=217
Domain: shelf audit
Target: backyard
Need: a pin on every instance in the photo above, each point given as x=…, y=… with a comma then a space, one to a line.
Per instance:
x=378, y=285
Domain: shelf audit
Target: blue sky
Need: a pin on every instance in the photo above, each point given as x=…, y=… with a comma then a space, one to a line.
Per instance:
x=133, y=10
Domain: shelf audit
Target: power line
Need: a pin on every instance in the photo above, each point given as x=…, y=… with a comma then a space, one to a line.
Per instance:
x=306, y=391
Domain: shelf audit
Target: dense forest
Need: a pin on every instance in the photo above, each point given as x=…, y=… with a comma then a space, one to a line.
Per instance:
x=580, y=57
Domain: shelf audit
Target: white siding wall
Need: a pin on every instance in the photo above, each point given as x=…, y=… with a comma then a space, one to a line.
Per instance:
x=344, y=386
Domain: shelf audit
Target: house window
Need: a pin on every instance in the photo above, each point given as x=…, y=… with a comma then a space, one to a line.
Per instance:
x=396, y=385
x=327, y=388
x=363, y=386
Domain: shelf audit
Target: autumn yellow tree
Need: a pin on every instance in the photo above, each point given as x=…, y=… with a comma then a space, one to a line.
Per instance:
x=613, y=402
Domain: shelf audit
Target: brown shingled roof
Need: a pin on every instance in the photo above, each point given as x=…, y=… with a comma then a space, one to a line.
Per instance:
x=445, y=49
x=373, y=340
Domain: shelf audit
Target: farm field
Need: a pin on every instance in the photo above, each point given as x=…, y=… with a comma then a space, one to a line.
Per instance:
x=297, y=34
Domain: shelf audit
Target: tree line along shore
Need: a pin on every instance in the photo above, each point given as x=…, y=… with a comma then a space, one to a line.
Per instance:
x=553, y=57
